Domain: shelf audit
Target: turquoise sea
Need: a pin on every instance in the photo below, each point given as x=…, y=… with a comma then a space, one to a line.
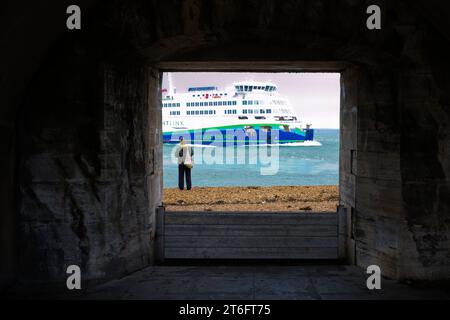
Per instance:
x=291, y=165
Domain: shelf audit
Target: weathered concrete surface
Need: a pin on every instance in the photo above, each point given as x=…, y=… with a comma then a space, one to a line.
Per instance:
x=251, y=283
x=80, y=123
x=87, y=172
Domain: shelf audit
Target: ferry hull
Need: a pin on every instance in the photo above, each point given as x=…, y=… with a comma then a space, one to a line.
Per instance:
x=238, y=136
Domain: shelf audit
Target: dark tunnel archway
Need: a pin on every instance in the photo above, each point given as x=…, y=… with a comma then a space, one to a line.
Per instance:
x=81, y=156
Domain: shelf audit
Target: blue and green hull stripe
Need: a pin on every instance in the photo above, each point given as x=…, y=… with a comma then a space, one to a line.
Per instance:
x=196, y=136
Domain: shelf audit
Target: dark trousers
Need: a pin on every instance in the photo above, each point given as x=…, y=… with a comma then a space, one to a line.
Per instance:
x=184, y=171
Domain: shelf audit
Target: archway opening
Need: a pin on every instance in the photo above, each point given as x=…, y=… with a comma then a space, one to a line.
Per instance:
x=262, y=141
x=195, y=233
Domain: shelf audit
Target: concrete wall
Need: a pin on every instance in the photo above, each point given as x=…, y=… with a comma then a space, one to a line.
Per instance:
x=82, y=198
x=89, y=166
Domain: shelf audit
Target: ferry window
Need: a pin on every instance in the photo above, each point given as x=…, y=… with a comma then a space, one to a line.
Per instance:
x=244, y=111
x=268, y=111
x=234, y=103
x=244, y=102
x=262, y=111
x=215, y=103
x=250, y=102
x=196, y=104
x=256, y=102
x=219, y=103
x=256, y=111
x=250, y=111
x=234, y=111
x=188, y=104
x=214, y=111
x=245, y=88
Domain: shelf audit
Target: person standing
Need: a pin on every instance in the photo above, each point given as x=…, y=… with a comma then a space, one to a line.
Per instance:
x=184, y=153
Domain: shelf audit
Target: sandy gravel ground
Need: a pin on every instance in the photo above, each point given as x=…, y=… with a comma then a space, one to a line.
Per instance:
x=283, y=198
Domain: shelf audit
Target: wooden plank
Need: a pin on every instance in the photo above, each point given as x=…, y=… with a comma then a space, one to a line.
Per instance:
x=251, y=230
x=249, y=242
x=222, y=218
x=251, y=253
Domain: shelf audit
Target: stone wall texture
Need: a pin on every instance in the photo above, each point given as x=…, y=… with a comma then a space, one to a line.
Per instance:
x=88, y=124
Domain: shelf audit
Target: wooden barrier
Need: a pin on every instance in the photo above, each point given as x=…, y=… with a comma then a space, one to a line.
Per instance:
x=247, y=235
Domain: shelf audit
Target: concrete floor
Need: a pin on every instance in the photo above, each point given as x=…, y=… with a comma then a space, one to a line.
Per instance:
x=256, y=282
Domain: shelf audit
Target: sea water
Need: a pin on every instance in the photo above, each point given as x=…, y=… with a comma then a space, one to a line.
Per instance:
x=315, y=163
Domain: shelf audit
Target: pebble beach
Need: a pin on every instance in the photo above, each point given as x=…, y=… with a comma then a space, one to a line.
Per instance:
x=273, y=198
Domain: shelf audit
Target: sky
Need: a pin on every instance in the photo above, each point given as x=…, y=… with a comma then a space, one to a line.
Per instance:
x=315, y=97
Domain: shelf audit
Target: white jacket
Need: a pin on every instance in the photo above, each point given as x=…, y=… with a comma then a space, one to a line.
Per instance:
x=180, y=152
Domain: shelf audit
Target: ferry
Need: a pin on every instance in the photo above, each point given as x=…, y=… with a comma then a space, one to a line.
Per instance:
x=246, y=112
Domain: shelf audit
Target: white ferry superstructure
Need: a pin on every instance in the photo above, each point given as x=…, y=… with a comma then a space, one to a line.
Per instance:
x=247, y=112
